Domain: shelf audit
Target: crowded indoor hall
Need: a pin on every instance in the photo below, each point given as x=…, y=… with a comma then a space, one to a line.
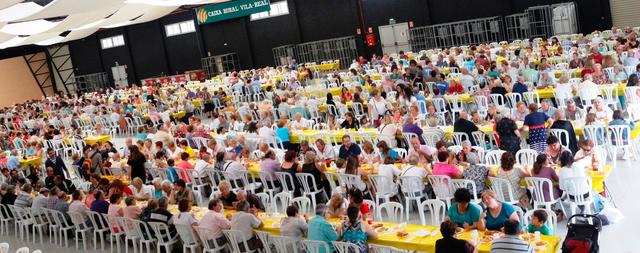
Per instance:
x=346, y=126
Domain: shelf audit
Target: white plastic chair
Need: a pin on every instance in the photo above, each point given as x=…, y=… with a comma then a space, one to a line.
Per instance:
x=579, y=189
x=235, y=237
x=100, y=229
x=536, y=185
x=552, y=219
x=526, y=157
x=383, y=186
x=385, y=249
x=492, y=158
x=562, y=135
x=144, y=234
x=188, y=238
x=312, y=246
x=619, y=137
x=596, y=134
x=468, y=184
x=393, y=211
x=64, y=226
x=210, y=246
x=286, y=182
x=163, y=235
x=23, y=250
x=81, y=229
x=441, y=188
x=498, y=184
x=459, y=137
x=284, y=244
x=5, y=219
x=412, y=190
x=4, y=247
x=437, y=211
x=310, y=187
x=345, y=247
x=303, y=204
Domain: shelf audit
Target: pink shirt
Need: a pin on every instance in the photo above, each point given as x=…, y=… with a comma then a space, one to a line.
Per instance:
x=445, y=169
x=132, y=212
x=216, y=222
x=114, y=210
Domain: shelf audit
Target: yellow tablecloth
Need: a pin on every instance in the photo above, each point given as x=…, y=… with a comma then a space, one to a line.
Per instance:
x=411, y=242
x=326, y=66
x=467, y=98
x=179, y=115
x=31, y=161
x=298, y=135
x=97, y=139
x=323, y=107
x=549, y=91
x=197, y=102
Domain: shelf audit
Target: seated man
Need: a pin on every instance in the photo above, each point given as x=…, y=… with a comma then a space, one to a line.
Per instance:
x=510, y=243
x=245, y=221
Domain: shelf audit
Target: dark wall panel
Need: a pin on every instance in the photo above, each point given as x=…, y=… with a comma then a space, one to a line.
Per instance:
x=121, y=55
x=378, y=12
x=183, y=52
x=592, y=14
x=85, y=55
x=327, y=19
x=451, y=11
x=229, y=36
x=147, y=50
x=273, y=32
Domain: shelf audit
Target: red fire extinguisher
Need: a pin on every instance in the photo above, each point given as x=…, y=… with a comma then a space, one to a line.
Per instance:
x=370, y=39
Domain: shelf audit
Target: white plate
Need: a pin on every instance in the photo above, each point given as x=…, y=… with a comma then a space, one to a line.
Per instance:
x=421, y=233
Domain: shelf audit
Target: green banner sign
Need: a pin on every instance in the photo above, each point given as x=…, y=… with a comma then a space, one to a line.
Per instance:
x=229, y=10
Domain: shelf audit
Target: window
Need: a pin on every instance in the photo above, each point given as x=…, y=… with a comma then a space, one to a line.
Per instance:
x=180, y=28
x=277, y=9
x=111, y=42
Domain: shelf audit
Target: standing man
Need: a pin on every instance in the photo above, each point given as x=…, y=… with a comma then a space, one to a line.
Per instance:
x=55, y=162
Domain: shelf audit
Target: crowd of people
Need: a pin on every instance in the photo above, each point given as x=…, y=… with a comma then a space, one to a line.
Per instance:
x=183, y=132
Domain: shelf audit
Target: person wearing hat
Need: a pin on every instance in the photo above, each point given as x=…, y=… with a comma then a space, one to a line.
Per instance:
x=24, y=198
x=42, y=200
x=476, y=172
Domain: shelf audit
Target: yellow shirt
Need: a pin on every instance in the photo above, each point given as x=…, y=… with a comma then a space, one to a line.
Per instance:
x=191, y=152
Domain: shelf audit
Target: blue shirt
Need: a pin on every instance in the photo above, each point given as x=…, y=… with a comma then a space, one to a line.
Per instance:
x=392, y=153
x=321, y=230
x=520, y=88
x=172, y=174
x=13, y=163
x=442, y=86
x=471, y=216
x=498, y=222
x=353, y=150
x=283, y=134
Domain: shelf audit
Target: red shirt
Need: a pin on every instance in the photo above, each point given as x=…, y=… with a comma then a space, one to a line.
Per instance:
x=364, y=209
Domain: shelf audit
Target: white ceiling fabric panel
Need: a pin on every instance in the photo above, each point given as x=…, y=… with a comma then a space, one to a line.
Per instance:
x=8, y=3
x=125, y=15
x=59, y=8
x=12, y=42
x=5, y=37
x=24, y=23
x=88, y=19
x=28, y=27
x=173, y=2
x=19, y=11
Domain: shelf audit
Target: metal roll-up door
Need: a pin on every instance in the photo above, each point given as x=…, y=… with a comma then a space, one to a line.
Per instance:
x=625, y=13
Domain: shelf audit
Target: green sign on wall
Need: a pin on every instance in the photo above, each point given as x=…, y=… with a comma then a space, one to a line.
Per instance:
x=229, y=10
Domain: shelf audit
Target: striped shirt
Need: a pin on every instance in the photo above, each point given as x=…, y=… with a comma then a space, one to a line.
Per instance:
x=510, y=244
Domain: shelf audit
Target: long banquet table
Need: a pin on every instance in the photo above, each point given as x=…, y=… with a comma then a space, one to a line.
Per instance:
x=411, y=242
